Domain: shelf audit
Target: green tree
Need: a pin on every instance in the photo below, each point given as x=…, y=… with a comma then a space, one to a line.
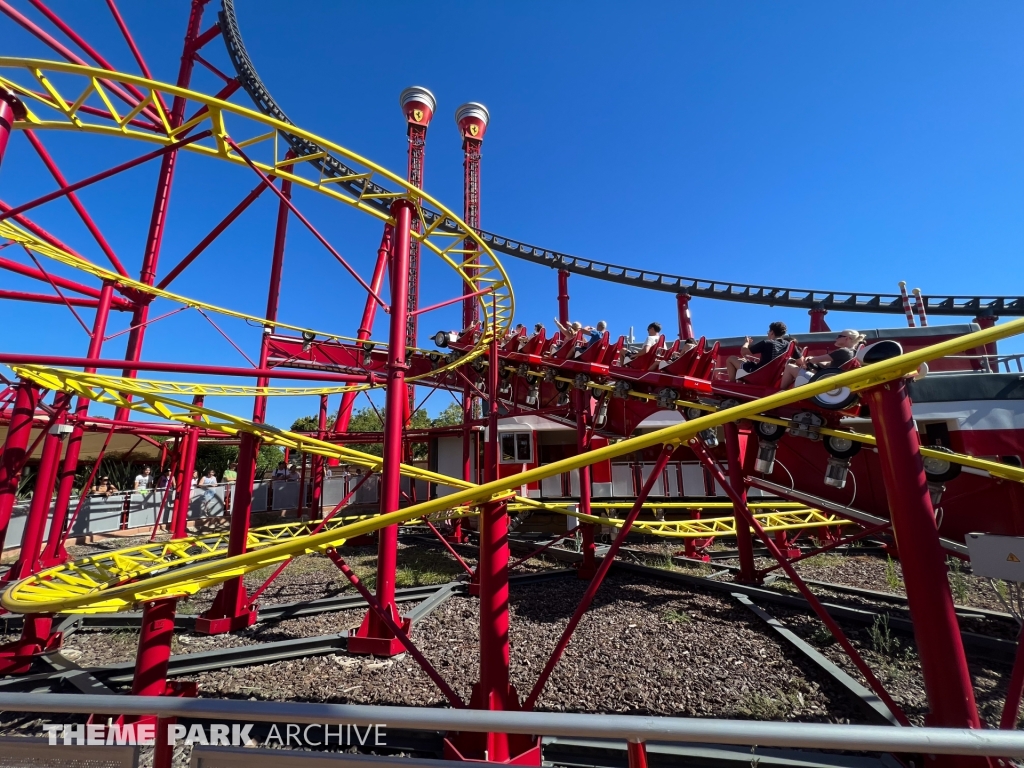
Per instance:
x=449, y=417
x=217, y=457
x=370, y=420
x=310, y=423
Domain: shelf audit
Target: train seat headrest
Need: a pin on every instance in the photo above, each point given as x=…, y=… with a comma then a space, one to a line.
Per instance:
x=880, y=350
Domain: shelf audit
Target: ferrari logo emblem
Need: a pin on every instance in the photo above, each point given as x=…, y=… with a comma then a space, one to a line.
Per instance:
x=417, y=115
x=1012, y=558
x=474, y=129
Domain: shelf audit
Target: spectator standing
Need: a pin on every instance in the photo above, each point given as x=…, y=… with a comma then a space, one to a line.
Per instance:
x=144, y=480
x=104, y=487
x=209, y=487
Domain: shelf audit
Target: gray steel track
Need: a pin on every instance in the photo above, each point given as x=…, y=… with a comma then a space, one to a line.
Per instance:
x=776, y=296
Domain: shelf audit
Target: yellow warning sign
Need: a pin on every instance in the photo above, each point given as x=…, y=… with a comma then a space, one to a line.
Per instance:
x=1012, y=558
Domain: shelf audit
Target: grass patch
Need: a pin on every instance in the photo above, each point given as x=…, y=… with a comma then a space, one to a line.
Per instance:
x=957, y=581
x=822, y=637
x=826, y=560
x=417, y=568
x=677, y=617
x=893, y=579
x=760, y=706
x=882, y=639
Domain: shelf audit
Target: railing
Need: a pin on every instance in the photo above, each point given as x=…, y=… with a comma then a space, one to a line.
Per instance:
x=621, y=728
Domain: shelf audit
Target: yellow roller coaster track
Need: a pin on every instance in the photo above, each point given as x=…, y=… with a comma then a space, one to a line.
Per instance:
x=34, y=595
x=40, y=85
x=783, y=517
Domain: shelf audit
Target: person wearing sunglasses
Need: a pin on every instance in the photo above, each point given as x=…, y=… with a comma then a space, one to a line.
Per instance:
x=800, y=371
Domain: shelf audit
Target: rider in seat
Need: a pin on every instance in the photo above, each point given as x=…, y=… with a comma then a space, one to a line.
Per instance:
x=768, y=349
x=800, y=371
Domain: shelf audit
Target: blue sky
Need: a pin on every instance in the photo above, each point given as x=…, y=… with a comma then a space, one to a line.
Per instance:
x=826, y=145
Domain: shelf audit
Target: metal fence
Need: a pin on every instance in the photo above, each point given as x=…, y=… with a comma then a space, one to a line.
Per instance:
x=621, y=728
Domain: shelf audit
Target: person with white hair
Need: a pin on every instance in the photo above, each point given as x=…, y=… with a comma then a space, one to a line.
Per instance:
x=595, y=333
x=801, y=370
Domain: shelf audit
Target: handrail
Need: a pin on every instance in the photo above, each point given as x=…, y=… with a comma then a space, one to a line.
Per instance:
x=867, y=738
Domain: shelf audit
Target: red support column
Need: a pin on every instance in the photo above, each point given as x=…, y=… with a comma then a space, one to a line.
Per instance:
x=12, y=459
x=154, y=651
x=366, y=324
x=818, y=324
x=373, y=635
x=158, y=218
x=685, y=319
x=947, y=679
x=183, y=482
x=588, y=567
x=54, y=551
x=636, y=751
x=737, y=449
x=418, y=106
x=36, y=638
x=231, y=609
x=46, y=477
x=316, y=505
x=563, y=297
x=472, y=119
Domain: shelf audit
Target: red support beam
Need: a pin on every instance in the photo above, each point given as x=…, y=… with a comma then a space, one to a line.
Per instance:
x=259, y=409
x=89, y=50
x=67, y=189
x=818, y=324
x=35, y=30
x=316, y=504
x=43, y=298
x=232, y=609
x=213, y=235
x=947, y=679
x=39, y=509
x=68, y=285
x=183, y=483
x=374, y=635
x=306, y=222
x=94, y=230
x=588, y=566
x=685, y=319
x=13, y=358
x=563, y=297
x=154, y=653
x=12, y=458
x=738, y=448
x=418, y=106
x=162, y=196
x=401, y=633
x=740, y=505
x=602, y=571
x=54, y=551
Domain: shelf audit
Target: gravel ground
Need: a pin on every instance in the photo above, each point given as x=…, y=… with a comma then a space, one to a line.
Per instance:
x=645, y=647
x=642, y=649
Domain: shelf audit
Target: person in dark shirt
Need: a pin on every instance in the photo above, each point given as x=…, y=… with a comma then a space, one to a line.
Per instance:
x=800, y=371
x=767, y=350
